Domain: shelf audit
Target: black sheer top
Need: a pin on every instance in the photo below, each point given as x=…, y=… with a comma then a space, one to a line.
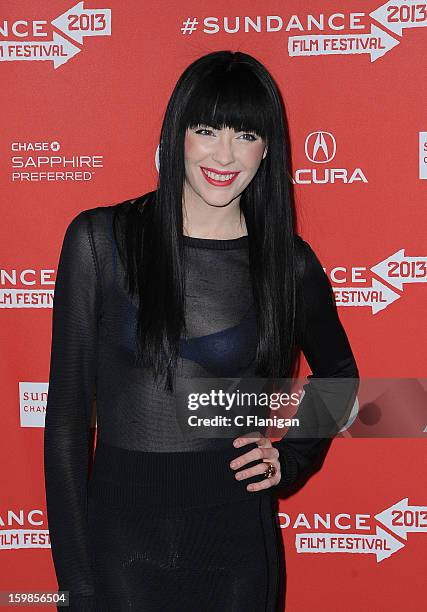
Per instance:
x=93, y=351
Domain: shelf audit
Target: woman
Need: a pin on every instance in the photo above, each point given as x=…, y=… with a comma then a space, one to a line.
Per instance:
x=203, y=278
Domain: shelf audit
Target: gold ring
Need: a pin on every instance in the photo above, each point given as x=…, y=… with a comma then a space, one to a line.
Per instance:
x=270, y=471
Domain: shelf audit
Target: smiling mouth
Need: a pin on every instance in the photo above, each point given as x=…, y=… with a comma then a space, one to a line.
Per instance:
x=219, y=178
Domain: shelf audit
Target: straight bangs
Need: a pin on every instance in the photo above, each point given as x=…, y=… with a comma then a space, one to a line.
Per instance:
x=230, y=98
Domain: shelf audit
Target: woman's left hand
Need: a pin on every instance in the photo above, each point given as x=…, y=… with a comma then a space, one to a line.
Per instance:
x=265, y=452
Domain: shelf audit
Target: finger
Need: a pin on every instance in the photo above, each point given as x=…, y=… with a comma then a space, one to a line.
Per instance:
x=259, y=468
x=264, y=442
x=264, y=484
x=255, y=454
x=269, y=453
x=249, y=438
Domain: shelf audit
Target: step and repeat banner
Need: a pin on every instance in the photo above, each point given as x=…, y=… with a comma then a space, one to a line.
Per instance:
x=83, y=90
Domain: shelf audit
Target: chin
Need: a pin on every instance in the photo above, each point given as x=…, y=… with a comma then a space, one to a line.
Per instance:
x=218, y=200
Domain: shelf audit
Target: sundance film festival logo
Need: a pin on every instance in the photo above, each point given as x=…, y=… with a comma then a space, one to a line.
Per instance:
x=348, y=533
x=23, y=40
x=324, y=33
x=353, y=286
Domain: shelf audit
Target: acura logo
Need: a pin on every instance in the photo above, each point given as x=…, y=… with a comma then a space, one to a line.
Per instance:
x=320, y=147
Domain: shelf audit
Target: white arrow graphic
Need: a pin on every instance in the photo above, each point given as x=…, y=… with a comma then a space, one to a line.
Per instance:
x=402, y=518
x=413, y=13
x=78, y=22
x=376, y=44
x=377, y=296
x=381, y=544
x=398, y=269
x=59, y=50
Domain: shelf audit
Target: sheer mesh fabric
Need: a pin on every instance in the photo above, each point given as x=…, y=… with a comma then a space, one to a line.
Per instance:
x=93, y=351
x=132, y=412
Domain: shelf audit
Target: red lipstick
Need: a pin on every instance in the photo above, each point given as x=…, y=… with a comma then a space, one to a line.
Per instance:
x=219, y=182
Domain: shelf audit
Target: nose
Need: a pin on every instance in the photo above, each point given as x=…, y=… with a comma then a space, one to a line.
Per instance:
x=223, y=151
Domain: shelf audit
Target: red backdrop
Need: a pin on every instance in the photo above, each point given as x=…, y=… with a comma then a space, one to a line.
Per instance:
x=83, y=91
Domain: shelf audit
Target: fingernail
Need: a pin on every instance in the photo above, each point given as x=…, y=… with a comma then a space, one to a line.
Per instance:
x=233, y=464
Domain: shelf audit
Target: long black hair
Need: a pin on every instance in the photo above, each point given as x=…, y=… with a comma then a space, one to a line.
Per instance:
x=220, y=89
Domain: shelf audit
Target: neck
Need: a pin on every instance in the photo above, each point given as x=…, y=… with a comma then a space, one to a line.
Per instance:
x=203, y=220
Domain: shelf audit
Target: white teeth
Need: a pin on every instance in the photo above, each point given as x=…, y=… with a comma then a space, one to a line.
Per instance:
x=219, y=177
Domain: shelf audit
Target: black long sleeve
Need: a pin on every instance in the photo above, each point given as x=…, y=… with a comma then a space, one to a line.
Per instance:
x=93, y=350
x=327, y=402
x=72, y=379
